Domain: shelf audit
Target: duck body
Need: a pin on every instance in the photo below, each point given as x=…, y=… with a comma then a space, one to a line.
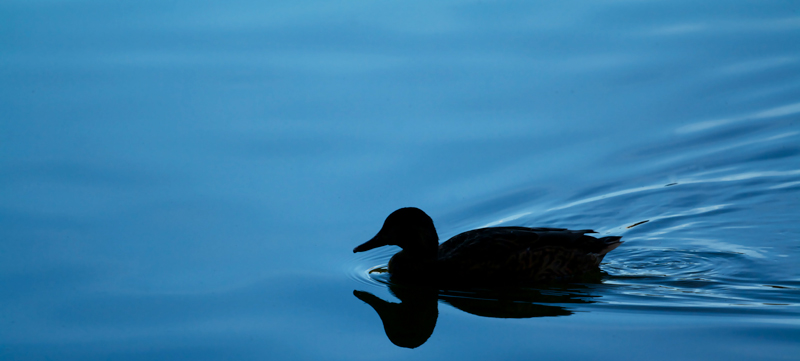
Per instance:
x=493, y=256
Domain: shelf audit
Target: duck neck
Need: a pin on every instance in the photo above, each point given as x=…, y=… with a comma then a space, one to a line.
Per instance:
x=420, y=254
x=415, y=260
x=426, y=249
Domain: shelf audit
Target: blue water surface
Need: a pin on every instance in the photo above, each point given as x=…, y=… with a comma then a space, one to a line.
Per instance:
x=187, y=179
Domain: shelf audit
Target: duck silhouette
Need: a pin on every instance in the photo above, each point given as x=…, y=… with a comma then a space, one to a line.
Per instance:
x=487, y=256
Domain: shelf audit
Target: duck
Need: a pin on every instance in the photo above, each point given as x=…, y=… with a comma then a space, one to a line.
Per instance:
x=487, y=256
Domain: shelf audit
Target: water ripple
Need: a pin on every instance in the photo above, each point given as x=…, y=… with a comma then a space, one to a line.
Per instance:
x=368, y=267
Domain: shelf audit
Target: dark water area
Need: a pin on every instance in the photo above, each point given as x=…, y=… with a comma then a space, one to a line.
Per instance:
x=187, y=180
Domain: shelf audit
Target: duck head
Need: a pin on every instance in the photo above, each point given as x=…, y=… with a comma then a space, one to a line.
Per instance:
x=410, y=229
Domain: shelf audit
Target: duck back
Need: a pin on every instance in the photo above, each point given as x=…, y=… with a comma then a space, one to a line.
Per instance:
x=517, y=255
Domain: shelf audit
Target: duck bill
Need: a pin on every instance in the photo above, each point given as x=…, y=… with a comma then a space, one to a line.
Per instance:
x=375, y=242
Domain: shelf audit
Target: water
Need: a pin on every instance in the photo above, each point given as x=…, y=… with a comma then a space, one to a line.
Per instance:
x=187, y=180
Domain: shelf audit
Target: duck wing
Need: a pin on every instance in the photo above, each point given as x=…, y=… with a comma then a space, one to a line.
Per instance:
x=522, y=254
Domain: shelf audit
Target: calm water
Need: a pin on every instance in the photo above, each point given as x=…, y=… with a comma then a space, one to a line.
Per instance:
x=187, y=180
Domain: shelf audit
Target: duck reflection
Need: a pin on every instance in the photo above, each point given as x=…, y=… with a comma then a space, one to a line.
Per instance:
x=411, y=322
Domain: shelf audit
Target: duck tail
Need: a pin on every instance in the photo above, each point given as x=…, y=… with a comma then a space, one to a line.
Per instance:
x=611, y=243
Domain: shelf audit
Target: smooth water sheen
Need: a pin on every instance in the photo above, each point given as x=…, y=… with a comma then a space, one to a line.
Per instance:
x=187, y=180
